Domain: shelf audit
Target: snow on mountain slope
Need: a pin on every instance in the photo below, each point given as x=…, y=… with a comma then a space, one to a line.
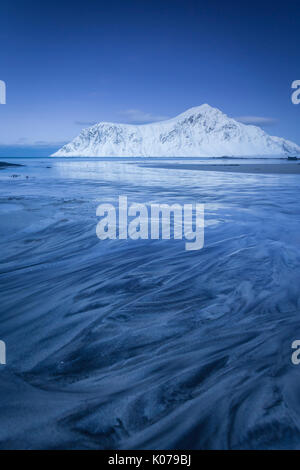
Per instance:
x=202, y=131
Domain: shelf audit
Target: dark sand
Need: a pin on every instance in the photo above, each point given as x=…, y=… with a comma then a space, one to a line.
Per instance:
x=291, y=168
x=6, y=165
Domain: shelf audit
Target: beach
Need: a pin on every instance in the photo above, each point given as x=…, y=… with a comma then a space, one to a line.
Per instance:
x=141, y=344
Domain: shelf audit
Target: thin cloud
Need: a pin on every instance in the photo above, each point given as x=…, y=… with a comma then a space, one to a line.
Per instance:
x=136, y=116
x=85, y=123
x=45, y=143
x=257, y=120
x=21, y=141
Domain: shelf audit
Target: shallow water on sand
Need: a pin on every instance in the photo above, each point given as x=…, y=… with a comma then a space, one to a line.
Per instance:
x=141, y=344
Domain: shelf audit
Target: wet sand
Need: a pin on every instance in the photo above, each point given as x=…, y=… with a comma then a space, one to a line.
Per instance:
x=140, y=344
x=6, y=165
x=290, y=168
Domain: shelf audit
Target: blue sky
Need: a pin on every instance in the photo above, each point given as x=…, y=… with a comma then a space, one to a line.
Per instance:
x=70, y=64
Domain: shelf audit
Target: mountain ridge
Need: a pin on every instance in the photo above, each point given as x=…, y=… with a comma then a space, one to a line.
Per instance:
x=201, y=131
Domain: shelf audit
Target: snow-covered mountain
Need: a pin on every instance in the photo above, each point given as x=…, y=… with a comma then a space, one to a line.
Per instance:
x=202, y=131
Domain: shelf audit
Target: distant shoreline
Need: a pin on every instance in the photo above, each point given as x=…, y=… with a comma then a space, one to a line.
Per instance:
x=291, y=168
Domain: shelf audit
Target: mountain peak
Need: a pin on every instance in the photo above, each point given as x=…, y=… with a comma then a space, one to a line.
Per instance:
x=201, y=109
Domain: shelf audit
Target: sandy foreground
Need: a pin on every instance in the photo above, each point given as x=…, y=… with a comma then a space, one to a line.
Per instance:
x=290, y=168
